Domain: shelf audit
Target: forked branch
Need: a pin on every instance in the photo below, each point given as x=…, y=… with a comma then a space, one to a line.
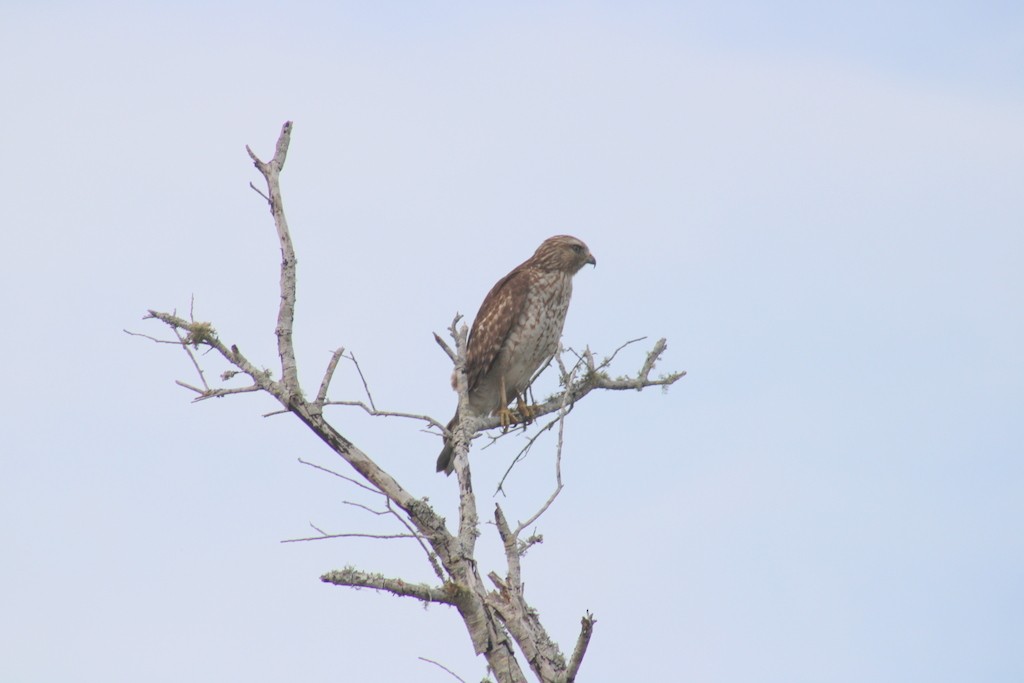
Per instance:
x=271, y=171
x=595, y=376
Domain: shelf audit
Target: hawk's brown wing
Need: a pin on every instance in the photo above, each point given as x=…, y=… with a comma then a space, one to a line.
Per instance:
x=501, y=308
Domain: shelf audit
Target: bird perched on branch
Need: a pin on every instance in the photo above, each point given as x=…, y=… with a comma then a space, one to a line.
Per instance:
x=516, y=332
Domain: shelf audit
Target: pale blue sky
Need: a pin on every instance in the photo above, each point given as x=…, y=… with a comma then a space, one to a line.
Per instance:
x=819, y=205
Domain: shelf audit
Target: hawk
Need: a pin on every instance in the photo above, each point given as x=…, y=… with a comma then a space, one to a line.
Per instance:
x=517, y=328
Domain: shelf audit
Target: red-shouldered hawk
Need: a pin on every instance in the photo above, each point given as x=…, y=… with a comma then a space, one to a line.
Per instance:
x=517, y=329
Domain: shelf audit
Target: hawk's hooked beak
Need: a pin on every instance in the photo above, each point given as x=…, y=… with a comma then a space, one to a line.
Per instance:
x=591, y=260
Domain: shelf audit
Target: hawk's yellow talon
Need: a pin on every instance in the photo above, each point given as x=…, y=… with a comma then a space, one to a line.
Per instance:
x=507, y=418
x=527, y=411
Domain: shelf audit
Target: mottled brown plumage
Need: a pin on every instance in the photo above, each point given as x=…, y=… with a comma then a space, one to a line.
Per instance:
x=517, y=328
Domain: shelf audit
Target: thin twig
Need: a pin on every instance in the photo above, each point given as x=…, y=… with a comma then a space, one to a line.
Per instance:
x=652, y=357
x=558, y=483
x=431, y=661
x=366, y=387
x=326, y=536
x=370, y=410
x=254, y=188
x=558, y=469
x=521, y=455
x=192, y=356
x=367, y=508
x=444, y=346
x=218, y=393
x=186, y=385
x=431, y=556
x=340, y=476
x=568, y=377
x=607, y=361
x=152, y=339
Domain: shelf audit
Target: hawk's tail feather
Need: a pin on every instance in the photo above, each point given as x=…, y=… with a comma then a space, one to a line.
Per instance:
x=446, y=460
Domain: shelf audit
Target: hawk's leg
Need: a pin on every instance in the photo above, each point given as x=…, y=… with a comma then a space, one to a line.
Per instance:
x=523, y=414
x=525, y=409
x=506, y=416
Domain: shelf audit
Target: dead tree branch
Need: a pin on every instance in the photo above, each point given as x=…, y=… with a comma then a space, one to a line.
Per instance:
x=359, y=579
x=497, y=619
x=595, y=377
x=271, y=172
x=586, y=630
x=325, y=383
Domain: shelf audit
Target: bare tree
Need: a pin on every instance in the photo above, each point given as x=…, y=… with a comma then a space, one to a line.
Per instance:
x=502, y=626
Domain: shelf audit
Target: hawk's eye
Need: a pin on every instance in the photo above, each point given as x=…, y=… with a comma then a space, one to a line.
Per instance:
x=577, y=248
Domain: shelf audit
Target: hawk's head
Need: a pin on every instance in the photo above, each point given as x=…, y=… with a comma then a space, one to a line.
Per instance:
x=564, y=253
